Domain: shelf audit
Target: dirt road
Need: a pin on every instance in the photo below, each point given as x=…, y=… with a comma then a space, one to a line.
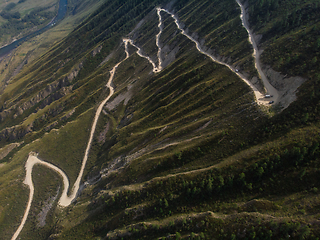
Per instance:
x=66, y=200
x=32, y=160
x=256, y=54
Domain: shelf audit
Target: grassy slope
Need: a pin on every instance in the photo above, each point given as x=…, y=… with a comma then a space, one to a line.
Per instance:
x=198, y=151
x=32, y=49
x=137, y=207
x=12, y=28
x=290, y=38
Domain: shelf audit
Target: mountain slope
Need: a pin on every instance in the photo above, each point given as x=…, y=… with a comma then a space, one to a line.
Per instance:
x=182, y=152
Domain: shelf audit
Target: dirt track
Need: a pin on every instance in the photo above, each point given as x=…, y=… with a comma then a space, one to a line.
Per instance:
x=260, y=98
x=256, y=54
x=66, y=200
x=32, y=160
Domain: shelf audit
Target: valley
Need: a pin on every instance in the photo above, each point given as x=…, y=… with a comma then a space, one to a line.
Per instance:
x=4, y=50
x=32, y=160
x=181, y=142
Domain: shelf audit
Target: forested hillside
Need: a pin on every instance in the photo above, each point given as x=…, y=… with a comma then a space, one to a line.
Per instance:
x=182, y=148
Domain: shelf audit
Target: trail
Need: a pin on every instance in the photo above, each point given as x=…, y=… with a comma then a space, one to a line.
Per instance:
x=256, y=54
x=32, y=160
x=139, y=52
x=158, y=38
x=66, y=200
x=258, y=95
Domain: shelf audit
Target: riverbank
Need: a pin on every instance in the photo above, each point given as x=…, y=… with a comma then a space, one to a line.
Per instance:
x=62, y=10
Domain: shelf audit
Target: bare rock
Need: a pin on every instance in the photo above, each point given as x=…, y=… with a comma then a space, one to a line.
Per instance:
x=15, y=132
x=96, y=50
x=287, y=86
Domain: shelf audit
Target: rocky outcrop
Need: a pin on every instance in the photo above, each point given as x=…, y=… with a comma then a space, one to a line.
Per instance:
x=52, y=125
x=287, y=86
x=74, y=73
x=15, y=132
x=69, y=114
x=52, y=92
x=56, y=96
x=7, y=149
x=96, y=50
x=58, y=89
x=4, y=114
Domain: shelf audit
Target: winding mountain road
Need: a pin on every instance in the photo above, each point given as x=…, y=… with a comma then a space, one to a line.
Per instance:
x=260, y=98
x=139, y=52
x=158, y=38
x=256, y=55
x=32, y=160
x=66, y=200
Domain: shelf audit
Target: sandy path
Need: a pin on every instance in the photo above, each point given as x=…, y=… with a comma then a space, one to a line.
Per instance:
x=66, y=200
x=256, y=54
x=260, y=98
x=158, y=38
x=139, y=52
x=32, y=160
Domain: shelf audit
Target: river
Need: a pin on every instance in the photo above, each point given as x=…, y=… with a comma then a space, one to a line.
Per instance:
x=60, y=15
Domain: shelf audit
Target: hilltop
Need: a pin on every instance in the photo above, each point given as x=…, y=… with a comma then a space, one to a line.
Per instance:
x=154, y=113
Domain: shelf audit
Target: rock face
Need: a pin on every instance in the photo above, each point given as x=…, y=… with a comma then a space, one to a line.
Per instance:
x=52, y=92
x=4, y=114
x=48, y=128
x=47, y=205
x=169, y=55
x=96, y=51
x=15, y=132
x=287, y=86
x=68, y=115
x=55, y=90
x=7, y=149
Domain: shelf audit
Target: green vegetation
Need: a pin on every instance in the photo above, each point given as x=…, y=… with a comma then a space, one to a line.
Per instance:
x=48, y=182
x=290, y=37
x=181, y=154
x=216, y=26
x=16, y=24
